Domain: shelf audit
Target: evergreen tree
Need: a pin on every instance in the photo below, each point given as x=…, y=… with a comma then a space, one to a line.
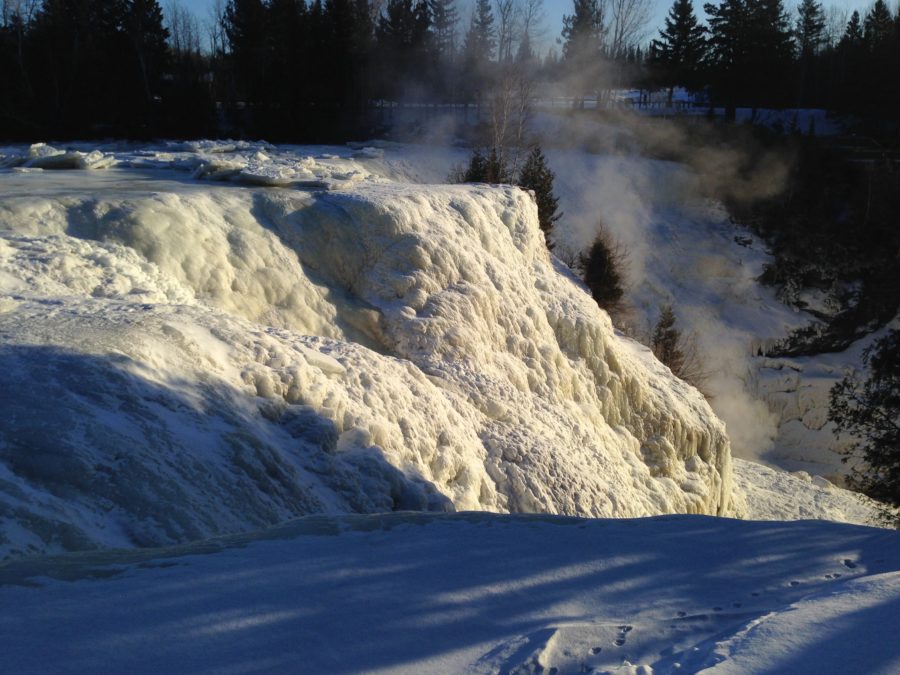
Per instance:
x=680, y=51
x=729, y=49
x=287, y=43
x=810, y=29
x=869, y=411
x=810, y=36
x=582, y=31
x=582, y=36
x=245, y=29
x=603, y=269
x=537, y=176
x=666, y=341
x=347, y=28
x=878, y=26
x=525, y=53
x=771, y=52
x=143, y=25
x=403, y=40
x=751, y=52
x=481, y=37
x=444, y=20
x=478, y=50
x=853, y=35
x=486, y=168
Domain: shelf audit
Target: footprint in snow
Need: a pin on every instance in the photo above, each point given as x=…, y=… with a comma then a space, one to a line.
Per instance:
x=849, y=564
x=795, y=583
x=736, y=604
x=681, y=615
x=717, y=609
x=622, y=631
x=596, y=650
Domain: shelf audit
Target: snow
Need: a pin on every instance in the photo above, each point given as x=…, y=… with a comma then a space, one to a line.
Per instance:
x=683, y=250
x=209, y=338
x=774, y=494
x=469, y=593
x=204, y=356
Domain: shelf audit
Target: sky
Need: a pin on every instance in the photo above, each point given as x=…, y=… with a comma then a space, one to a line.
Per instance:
x=556, y=9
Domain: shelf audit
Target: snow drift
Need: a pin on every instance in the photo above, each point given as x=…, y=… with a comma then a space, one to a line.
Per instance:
x=180, y=358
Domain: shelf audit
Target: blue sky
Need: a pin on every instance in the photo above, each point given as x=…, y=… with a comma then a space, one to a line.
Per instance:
x=555, y=9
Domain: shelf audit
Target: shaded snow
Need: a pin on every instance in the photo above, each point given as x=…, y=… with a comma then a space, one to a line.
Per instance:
x=469, y=593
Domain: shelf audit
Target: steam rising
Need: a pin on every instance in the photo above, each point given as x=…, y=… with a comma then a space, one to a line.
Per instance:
x=680, y=245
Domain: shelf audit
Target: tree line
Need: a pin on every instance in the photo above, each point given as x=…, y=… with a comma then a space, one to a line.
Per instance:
x=315, y=69
x=752, y=53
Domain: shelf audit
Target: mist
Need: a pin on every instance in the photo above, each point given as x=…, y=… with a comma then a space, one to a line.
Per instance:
x=657, y=186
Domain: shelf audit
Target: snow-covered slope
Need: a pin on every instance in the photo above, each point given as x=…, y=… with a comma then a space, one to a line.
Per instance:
x=469, y=593
x=182, y=358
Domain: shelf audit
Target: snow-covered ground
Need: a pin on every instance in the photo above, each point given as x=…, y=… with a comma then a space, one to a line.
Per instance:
x=469, y=593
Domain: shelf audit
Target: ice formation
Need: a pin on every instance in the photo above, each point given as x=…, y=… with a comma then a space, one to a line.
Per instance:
x=183, y=358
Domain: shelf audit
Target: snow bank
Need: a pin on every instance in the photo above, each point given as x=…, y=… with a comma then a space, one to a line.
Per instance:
x=183, y=358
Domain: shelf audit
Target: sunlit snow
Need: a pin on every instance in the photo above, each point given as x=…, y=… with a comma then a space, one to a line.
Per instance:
x=183, y=358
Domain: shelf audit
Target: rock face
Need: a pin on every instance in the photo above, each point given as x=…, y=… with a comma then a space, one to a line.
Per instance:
x=180, y=359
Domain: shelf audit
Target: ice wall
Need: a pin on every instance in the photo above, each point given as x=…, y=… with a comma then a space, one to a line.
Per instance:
x=180, y=359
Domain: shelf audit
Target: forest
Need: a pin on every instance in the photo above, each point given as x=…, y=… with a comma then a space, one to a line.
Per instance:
x=298, y=70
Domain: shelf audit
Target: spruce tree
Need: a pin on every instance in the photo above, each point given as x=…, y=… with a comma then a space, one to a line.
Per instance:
x=729, y=48
x=481, y=37
x=771, y=52
x=403, y=40
x=680, y=51
x=444, y=19
x=245, y=28
x=486, y=168
x=810, y=28
x=143, y=25
x=869, y=411
x=478, y=50
x=853, y=35
x=582, y=31
x=582, y=36
x=810, y=36
x=878, y=28
x=537, y=176
x=603, y=269
x=751, y=52
x=666, y=341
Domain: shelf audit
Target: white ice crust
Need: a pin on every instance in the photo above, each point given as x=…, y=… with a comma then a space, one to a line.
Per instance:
x=182, y=358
